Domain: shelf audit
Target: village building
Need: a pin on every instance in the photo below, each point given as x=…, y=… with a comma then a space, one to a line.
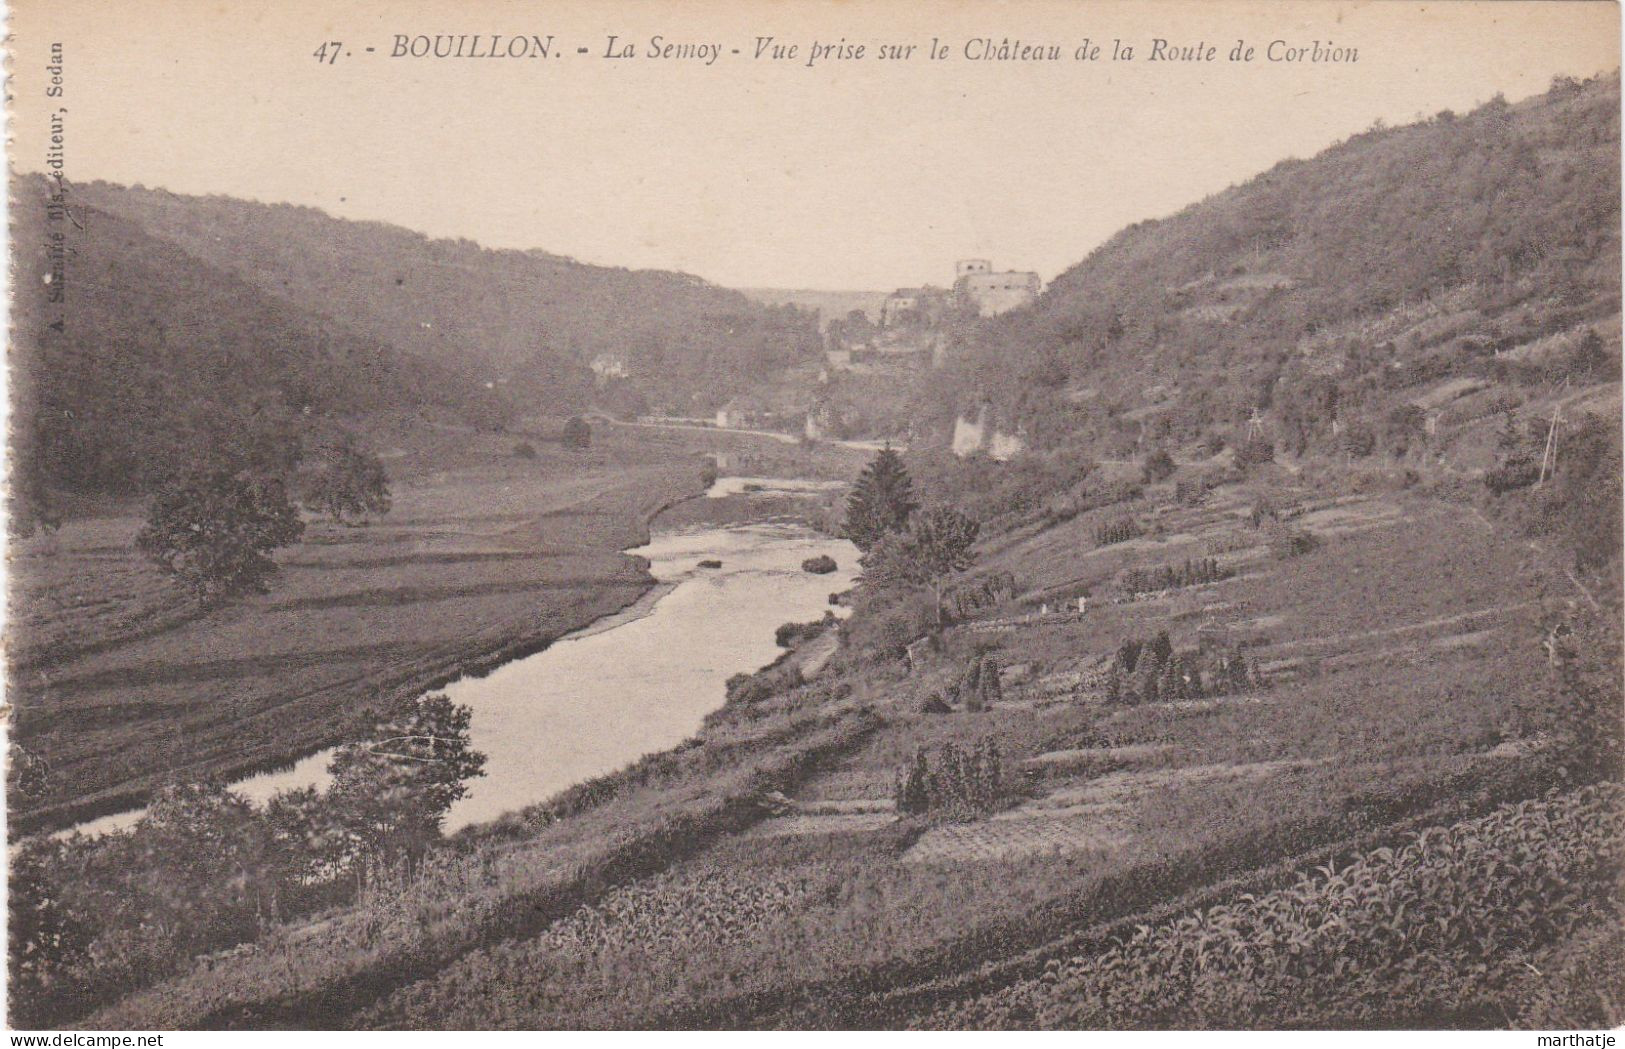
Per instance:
x=609, y=366
x=987, y=293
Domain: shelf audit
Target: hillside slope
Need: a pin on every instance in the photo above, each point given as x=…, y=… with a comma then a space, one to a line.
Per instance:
x=1331, y=292
x=682, y=342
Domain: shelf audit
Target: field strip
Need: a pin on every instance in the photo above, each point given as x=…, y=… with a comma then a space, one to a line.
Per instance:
x=820, y=823
x=1408, y=628
x=1061, y=759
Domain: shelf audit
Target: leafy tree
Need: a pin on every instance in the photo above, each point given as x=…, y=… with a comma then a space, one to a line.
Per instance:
x=47, y=942
x=221, y=881
x=881, y=502
x=346, y=482
x=577, y=434
x=391, y=792
x=937, y=545
x=213, y=531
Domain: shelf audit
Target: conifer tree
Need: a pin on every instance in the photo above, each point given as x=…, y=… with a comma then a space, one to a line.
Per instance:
x=882, y=501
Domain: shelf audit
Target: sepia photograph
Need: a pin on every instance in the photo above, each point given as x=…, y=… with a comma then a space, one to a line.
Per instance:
x=626, y=515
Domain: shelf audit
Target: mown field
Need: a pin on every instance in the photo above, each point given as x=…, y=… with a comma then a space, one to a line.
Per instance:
x=121, y=683
x=761, y=876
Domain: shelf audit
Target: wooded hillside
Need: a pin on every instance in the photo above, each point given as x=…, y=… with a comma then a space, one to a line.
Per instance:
x=685, y=344
x=1330, y=290
x=161, y=358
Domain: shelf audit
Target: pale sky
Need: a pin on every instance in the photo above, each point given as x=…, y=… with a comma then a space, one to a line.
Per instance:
x=865, y=174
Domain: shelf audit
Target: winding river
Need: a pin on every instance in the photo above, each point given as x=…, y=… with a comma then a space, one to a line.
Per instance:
x=638, y=681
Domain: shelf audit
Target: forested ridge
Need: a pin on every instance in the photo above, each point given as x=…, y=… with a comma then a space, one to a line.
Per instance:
x=214, y=328
x=161, y=359
x=529, y=318
x=1327, y=291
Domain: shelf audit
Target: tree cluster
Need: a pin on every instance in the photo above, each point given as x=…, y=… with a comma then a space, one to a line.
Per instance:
x=92, y=918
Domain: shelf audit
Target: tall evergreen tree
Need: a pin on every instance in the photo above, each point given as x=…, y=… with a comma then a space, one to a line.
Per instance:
x=882, y=501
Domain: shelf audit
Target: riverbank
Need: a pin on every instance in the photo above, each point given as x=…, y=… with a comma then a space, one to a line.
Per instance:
x=475, y=567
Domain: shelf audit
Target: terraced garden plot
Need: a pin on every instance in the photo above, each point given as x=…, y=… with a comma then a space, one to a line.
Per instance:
x=1433, y=931
x=1015, y=838
x=1348, y=520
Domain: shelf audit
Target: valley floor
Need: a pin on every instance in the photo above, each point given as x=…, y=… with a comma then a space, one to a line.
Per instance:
x=122, y=684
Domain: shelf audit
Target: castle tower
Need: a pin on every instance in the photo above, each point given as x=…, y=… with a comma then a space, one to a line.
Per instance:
x=965, y=267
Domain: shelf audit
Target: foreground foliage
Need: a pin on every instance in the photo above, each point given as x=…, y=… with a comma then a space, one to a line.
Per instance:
x=204, y=868
x=1434, y=932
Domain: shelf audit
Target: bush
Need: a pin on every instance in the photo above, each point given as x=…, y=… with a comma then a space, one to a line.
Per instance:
x=1158, y=466
x=823, y=564
x=979, y=685
x=749, y=689
x=577, y=434
x=1291, y=542
x=955, y=786
x=788, y=634
x=524, y=450
x=1359, y=440
x=883, y=623
x=973, y=595
x=1255, y=451
x=1191, y=491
